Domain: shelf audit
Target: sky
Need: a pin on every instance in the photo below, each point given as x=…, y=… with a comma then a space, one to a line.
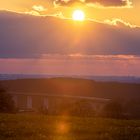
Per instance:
x=39, y=37
x=126, y=10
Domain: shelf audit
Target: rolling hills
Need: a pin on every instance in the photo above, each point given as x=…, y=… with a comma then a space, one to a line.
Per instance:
x=74, y=86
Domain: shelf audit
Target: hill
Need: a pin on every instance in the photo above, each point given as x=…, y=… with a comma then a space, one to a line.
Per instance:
x=122, y=79
x=74, y=86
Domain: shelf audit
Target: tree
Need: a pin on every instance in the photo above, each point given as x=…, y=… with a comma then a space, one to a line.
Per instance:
x=113, y=109
x=132, y=108
x=6, y=102
x=82, y=108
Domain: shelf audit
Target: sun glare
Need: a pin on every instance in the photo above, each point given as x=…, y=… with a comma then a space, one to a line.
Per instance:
x=78, y=15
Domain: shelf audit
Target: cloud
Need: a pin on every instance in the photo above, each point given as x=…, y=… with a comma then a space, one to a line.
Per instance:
x=27, y=36
x=127, y=65
x=89, y=57
x=119, y=22
x=39, y=8
x=95, y=3
x=32, y=12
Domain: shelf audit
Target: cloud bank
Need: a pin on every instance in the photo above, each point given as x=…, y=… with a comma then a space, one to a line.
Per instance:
x=95, y=3
x=74, y=65
x=26, y=36
x=44, y=44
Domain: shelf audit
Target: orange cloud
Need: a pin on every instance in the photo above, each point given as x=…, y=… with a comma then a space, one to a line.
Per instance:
x=119, y=22
x=35, y=13
x=39, y=8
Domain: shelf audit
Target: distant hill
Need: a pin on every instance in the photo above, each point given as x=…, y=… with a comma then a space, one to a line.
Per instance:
x=74, y=86
x=122, y=79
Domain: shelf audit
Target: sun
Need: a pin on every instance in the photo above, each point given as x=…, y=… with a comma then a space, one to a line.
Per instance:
x=78, y=15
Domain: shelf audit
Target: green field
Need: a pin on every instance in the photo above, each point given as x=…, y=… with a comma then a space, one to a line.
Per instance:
x=41, y=127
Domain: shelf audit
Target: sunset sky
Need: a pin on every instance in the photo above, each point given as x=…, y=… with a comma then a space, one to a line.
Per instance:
x=39, y=36
x=127, y=10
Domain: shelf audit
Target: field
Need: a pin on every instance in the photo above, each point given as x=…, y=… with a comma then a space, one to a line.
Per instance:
x=40, y=127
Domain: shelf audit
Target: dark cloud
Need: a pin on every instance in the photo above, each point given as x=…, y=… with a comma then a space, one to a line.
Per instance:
x=67, y=3
x=24, y=36
x=105, y=3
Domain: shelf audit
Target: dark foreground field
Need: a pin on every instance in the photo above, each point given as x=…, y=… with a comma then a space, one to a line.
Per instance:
x=39, y=127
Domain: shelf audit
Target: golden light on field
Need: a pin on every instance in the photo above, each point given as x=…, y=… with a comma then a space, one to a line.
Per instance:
x=62, y=127
x=78, y=15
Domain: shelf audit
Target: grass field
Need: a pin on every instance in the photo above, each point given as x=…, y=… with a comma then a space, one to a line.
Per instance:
x=40, y=127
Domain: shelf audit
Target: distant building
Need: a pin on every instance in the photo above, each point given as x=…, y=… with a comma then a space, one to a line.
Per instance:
x=52, y=102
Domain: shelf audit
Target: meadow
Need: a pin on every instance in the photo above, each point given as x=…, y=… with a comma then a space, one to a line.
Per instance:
x=42, y=127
